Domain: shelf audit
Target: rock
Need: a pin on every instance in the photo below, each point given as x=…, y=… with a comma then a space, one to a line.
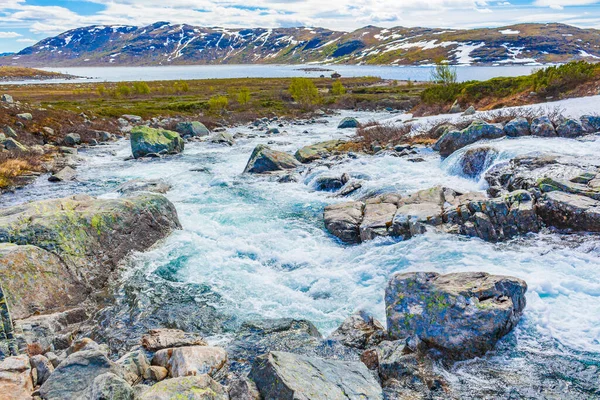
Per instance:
x=104, y=136
x=242, y=388
x=264, y=159
x=135, y=119
x=146, y=141
x=517, y=127
x=9, y=132
x=156, y=373
x=377, y=218
x=47, y=130
x=12, y=144
x=83, y=344
x=287, y=376
x=15, y=378
x=109, y=386
x=469, y=111
x=91, y=236
x=144, y=185
x=317, y=151
x=64, y=175
x=474, y=161
x=360, y=331
x=191, y=360
x=35, y=280
x=348, y=122
x=201, y=387
x=542, y=126
x=455, y=108
x=591, y=123
x=193, y=128
x=570, y=128
x=478, y=130
x=570, y=211
x=327, y=183
x=7, y=98
x=72, y=139
x=273, y=131
x=349, y=188
x=343, y=220
x=158, y=339
x=43, y=367
x=223, y=138
x=134, y=366
x=93, y=142
x=25, y=116
x=462, y=315
x=75, y=376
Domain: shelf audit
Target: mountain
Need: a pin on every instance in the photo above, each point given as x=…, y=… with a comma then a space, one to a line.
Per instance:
x=163, y=43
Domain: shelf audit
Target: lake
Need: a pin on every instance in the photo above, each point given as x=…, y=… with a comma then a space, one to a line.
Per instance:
x=422, y=73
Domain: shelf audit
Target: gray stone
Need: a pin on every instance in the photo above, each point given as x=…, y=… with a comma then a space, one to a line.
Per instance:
x=287, y=376
x=12, y=144
x=517, y=127
x=377, y=218
x=571, y=211
x=146, y=141
x=360, y=331
x=317, y=151
x=343, y=220
x=64, y=175
x=348, y=122
x=462, y=315
x=25, y=116
x=474, y=161
x=109, y=386
x=134, y=365
x=455, y=108
x=469, y=111
x=264, y=160
x=478, y=130
x=201, y=387
x=570, y=128
x=43, y=366
x=193, y=128
x=135, y=119
x=72, y=139
x=222, y=138
x=9, y=132
x=591, y=123
x=144, y=185
x=542, y=126
x=7, y=98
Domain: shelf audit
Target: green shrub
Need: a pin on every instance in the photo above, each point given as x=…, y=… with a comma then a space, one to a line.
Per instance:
x=217, y=104
x=304, y=91
x=243, y=96
x=558, y=79
x=122, y=90
x=441, y=93
x=181, y=87
x=101, y=90
x=338, y=88
x=444, y=73
x=141, y=88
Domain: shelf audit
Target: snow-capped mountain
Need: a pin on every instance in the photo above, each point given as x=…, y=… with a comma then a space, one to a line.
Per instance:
x=163, y=43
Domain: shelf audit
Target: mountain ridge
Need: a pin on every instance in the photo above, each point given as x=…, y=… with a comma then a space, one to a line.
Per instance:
x=163, y=43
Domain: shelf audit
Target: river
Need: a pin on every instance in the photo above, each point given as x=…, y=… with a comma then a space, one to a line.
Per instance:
x=260, y=248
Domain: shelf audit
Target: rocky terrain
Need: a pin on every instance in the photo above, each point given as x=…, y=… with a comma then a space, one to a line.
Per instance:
x=163, y=43
x=74, y=325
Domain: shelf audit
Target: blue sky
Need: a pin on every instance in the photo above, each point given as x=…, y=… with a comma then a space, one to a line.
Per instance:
x=24, y=22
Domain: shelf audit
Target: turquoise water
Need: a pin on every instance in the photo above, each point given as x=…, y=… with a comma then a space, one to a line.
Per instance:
x=262, y=248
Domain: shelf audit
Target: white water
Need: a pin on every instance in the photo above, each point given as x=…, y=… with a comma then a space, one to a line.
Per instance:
x=262, y=245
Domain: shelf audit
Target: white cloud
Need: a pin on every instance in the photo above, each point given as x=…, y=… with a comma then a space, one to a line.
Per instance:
x=9, y=35
x=27, y=40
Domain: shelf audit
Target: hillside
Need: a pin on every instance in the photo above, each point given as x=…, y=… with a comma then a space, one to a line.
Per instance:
x=163, y=43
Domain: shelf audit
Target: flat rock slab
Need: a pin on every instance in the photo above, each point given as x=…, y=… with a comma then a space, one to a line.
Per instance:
x=287, y=376
x=158, y=339
x=200, y=387
x=462, y=314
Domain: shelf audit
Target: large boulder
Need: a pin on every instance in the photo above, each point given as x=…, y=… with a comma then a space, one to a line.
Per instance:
x=193, y=128
x=571, y=211
x=348, y=122
x=15, y=378
x=36, y=280
x=75, y=376
x=90, y=235
x=360, y=330
x=134, y=365
x=201, y=387
x=377, y=218
x=287, y=376
x=343, y=220
x=109, y=386
x=591, y=123
x=542, y=126
x=191, y=360
x=478, y=130
x=12, y=144
x=517, y=127
x=222, y=138
x=72, y=139
x=264, y=160
x=317, y=151
x=474, y=160
x=148, y=141
x=462, y=315
x=163, y=338
x=43, y=367
x=570, y=128
x=64, y=175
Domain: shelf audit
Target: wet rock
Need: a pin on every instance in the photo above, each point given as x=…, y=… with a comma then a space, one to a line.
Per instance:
x=66, y=174
x=158, y=339
x=144, y=185
x=517, y=127
x=377, y=218
x=570, y=211
x=349, y=187
x=146, y=141
x=343, y=220
x=110, y=386
x=75, y=376
x=134, y=366
x=462, y=315
x=90, y=235
x=475, y=160
x=72, y=139
x=478, y=130
x=36, y=280
x=317, y=151
x=12, y=144
x=242, y=388
x=201, y=387
x=348, y=122
x=360, y=331
x=280, y=375
x=15, y=378
x=104, y=136
x=570, y=128
x=191, y=360
x=25, y=116
x=327, y=183
x=222, y=138
x=542, y=126
x=273, y=131
x=193, y=128
x=264, y=159
x=9, y=132
x=43, y=366
x=469, y=111
x=591, y=123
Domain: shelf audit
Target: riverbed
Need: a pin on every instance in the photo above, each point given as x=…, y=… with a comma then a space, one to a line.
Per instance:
x=259, y=248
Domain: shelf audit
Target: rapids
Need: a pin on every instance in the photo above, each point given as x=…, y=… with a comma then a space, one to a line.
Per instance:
x=260, y=248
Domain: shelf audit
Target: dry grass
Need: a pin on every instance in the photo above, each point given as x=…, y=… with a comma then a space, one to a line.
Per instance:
x=8, y=73
x=15, y=164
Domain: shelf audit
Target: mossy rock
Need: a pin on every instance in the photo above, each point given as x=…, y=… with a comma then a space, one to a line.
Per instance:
x=146, y=141
x=317, y=151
